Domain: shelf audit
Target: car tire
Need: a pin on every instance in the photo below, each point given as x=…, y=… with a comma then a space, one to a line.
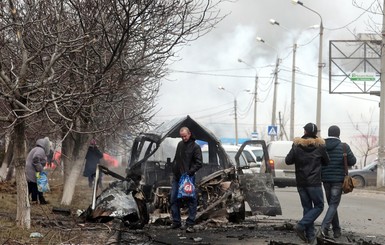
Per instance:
x=358, y=181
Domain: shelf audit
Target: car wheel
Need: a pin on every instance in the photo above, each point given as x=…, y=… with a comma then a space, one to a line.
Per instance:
x=358, y=181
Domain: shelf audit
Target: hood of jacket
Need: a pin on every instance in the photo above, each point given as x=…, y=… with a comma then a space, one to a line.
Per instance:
x=44, y=143
x=332, y=142
x=308, y=143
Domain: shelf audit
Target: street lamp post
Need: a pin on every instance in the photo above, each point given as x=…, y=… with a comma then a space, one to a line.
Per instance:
x=292, y=99
x=273, y=116
x=292, y=102
x=320, y=65
x=235, y=111
x=255, y=94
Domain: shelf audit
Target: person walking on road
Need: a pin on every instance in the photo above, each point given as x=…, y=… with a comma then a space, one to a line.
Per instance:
x=35, y=163
x=188, y=158
x=93, y=157
x=333, y=177
x=308, y=154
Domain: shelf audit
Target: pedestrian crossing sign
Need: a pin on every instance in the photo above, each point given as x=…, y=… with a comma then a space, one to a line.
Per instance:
x=272, y=130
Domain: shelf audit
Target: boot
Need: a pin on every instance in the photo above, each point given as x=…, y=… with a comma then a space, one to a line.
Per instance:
x=43, y=201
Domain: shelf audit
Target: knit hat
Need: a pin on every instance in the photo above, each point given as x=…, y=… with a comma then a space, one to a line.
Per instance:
x=311, y=129
x=334, y=131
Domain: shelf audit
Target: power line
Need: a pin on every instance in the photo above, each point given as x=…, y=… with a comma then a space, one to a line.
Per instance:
x=207, y=109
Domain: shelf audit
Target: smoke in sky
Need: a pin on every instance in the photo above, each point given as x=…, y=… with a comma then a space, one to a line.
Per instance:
x=212, y=61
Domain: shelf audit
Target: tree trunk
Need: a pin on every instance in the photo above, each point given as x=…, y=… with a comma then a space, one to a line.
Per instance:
x=23, y=215
x=11, y=170
x=73, y=165
x=8, y=159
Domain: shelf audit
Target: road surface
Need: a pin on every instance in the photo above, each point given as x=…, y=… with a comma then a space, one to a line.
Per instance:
x=359, y=211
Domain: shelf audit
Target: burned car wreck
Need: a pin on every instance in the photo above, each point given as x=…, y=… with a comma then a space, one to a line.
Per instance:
x=142, y=196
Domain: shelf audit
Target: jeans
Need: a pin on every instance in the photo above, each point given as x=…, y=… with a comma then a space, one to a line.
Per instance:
x=176, y=204
x=312, y=201
x=333, y=192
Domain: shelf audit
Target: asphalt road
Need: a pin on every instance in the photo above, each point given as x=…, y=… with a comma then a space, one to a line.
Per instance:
x=361, y=211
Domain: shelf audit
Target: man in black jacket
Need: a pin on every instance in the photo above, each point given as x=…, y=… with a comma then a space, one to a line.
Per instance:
x=308, y=153
x=333, y=177
x=188, y=159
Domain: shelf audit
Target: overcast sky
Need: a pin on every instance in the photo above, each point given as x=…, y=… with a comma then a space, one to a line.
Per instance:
x=212, y=61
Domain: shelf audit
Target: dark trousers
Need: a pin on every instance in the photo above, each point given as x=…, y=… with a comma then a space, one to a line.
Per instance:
x=333, y=192
x=312, y=201
x=91, y=179
x=175, y=206
x=33, y=191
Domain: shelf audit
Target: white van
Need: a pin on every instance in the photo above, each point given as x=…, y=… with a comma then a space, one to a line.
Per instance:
x=284, y=175
x=246, y=159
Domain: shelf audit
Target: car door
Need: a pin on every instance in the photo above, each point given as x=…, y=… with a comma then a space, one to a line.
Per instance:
x=258, y=188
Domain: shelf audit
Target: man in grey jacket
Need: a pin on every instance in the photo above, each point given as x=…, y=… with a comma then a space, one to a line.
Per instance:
x=35, y=162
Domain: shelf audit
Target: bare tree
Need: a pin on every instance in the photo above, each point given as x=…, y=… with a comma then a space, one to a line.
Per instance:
x=86, y=68
x=366, y=140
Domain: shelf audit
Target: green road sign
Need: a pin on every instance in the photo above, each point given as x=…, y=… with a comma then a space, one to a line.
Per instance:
x=362, y=77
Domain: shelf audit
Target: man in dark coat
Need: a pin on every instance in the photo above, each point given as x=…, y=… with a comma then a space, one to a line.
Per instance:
x=308, y=153
x=93, y=157
x=333, y=177
x=188, y=159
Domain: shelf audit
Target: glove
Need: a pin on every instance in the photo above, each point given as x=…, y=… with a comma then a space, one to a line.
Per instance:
x=190, y=173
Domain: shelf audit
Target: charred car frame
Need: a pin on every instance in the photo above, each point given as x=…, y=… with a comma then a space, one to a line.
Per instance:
x=222, y=186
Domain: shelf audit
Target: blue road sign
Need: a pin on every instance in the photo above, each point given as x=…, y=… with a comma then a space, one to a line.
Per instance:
x=272, y=130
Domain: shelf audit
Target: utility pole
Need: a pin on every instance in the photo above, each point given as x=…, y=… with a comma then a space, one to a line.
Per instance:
x=273, y=119
x=292, y=102
x=255, y=103
x=236, y=120
x=320, y=65
x=381, y=137
x=319, y=86
x=281, y=126
x=255, y=94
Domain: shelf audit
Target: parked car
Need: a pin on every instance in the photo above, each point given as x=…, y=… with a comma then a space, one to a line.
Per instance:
x=258, y=153
x=366, y=176
x=283, y=174
x=222, y=184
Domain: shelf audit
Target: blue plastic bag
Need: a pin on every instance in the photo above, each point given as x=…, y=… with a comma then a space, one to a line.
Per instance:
x=186, y=187
x=42, y=181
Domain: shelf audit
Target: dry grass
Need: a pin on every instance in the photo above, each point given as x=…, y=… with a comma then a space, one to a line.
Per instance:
x=56, y=228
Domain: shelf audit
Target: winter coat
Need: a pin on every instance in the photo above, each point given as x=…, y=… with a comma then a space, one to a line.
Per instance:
x=36, y=159
x=308, y=154
x=188, y=158
x=335, y=171
x=93, y=157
